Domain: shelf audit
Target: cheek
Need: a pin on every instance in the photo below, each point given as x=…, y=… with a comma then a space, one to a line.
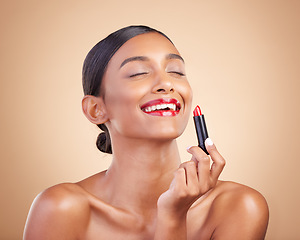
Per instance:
x=124, y=96
x=186, y=92
x=119, y=103
x=122, y=104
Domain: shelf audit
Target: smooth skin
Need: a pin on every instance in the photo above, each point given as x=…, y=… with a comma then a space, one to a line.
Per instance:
x=147, y=193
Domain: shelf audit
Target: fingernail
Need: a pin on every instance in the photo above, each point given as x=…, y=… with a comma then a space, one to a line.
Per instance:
x=209, y=142
x=188, y=148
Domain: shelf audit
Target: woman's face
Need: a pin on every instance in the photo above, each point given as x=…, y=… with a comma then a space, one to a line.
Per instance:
x=146, y=92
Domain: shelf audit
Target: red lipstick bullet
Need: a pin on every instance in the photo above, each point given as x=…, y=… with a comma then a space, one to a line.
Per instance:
x=200, y=128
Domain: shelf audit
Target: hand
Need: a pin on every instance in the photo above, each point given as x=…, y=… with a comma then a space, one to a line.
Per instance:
x=191, y=180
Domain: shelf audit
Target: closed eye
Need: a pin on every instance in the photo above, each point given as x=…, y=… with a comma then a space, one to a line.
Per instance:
x=138, y=74
x=178, y=73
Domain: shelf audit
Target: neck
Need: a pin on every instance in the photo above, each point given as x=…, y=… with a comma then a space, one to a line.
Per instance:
x=140, y=172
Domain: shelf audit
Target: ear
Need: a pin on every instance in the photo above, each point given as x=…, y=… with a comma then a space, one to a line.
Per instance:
x=94, y=109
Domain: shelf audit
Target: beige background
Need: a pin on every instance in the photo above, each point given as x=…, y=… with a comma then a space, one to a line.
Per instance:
x=242, y=62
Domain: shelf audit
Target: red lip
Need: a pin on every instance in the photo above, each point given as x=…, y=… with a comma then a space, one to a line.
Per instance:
x=162, y=112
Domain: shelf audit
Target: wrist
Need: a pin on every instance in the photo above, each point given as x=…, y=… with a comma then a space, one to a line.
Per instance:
x=170, y=227
x=171, y=219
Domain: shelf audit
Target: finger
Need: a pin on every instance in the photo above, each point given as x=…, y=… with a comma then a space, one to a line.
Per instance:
x=191, y=174
x=203, y=165
x=204, y=173
x=179, y=179
x=218, y=160
x=193, y=149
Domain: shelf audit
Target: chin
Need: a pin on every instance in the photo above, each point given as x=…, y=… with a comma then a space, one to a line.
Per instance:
x=166, y=134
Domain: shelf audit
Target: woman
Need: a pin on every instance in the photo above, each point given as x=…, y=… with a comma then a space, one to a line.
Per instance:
x=137, y=92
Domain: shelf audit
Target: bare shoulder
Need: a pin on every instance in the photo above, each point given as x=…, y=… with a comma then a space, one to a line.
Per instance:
x=236, y=195
x=241, y=212
x=59, y=212
x=232, y=189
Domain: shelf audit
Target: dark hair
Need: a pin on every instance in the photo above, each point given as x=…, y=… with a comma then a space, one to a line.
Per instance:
x=95, y=65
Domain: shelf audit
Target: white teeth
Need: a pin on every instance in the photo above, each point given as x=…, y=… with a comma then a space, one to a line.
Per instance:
x=171, y=106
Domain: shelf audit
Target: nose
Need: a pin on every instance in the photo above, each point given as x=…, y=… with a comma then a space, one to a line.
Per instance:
x=163, y=84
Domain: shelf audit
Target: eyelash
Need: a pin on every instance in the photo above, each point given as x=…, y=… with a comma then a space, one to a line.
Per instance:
x=179, y=73
x=137, y=74
x=142, y=73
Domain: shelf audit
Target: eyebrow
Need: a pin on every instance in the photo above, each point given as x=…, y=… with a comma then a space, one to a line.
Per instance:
x=143, y=58
x=174, y=56
x=132, y=59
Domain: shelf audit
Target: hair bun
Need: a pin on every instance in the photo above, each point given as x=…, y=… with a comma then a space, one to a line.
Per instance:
x=103, y=141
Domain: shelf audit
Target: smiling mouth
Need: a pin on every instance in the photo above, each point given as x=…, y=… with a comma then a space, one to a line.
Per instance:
x=162, y=107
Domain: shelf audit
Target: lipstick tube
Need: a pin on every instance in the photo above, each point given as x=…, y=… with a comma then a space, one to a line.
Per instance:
x=201, y=130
